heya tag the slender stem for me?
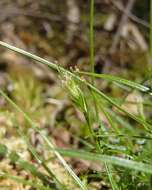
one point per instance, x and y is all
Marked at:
(92, 52)
(150, 37)
(92, 37)
(112, 182)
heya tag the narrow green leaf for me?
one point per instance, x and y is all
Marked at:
(119, 80)
(130, 164)
(112, 181)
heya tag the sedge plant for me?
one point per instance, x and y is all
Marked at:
(115, 156)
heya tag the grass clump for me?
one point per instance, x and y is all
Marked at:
(118, 152)
(116, 138)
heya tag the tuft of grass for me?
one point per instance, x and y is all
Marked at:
(101, 141)
(77, 78)
(73, 86)
(113, 147)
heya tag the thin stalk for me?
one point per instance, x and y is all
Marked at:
(150, 37)
(112, 181)
(92, 63)
(91, 35)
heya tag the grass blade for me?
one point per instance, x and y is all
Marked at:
(150, 32)
(119, 80)
(91, 36)
(112, 181)
(130, 164)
